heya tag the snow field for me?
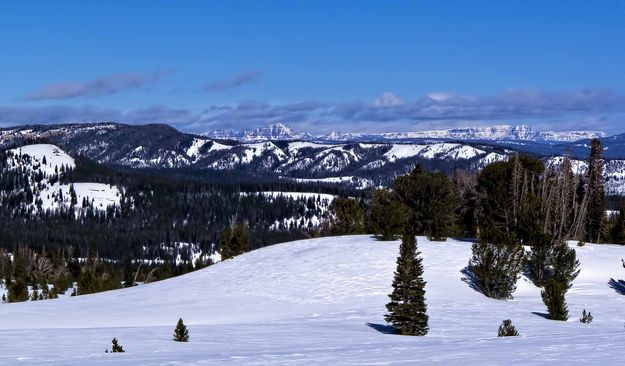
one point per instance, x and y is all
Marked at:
(101, 195)
(321, 301)
(55, 157)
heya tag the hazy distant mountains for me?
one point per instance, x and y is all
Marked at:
(275, 132)
(281, 132)
(278, 153)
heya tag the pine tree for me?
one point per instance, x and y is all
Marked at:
(407, 311)
(181, 334)
(497, 260)
(553, 297)
(388, 216)
(129, 275)
(618, 227)
(506, 329)
(18, 290)
(73, 197)
(565, 270)
(116, 347)
(596, 193)
(349, 217)
(235, 240)
(432, 200)
(468, 203)
(540, 260)
(565, 265)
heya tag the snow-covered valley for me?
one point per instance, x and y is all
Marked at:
(321, 301)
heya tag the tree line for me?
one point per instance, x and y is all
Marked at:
(506, 206)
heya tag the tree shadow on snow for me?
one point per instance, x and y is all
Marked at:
(617, 285)
(542, 315)
(470, 279)
(382, 328)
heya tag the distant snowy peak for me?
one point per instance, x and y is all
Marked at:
(274, 132)
(571, 136)
(490, 133)
(281, 132)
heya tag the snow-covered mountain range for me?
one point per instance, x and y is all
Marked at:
(280, 131)
(273, 132)
(360, 164)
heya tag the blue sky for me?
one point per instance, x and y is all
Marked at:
(317, 65)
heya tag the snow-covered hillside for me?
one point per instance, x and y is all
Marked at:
(45, 163)
(54, 157)
(321, 302)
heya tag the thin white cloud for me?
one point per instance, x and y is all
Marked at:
(388, 99)
(232, 82)
(101, 86)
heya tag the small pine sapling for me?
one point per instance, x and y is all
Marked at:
(116, 347)
(506, 329)
(586, 317)
(181, 333)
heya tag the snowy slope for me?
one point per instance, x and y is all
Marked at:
(319, 302)
(55, 195)
(54, 156)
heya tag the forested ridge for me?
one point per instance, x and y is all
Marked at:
(160, 222)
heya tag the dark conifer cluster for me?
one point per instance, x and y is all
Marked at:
(510, 204)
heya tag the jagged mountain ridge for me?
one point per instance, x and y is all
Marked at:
(280, 131)
(360, 164)
(271, 132)
(493, 133)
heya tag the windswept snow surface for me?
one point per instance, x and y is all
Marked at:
(320, 302)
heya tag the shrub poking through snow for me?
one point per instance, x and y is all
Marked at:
(181, 333)
(506, 329)
(586, 317)
(407, 311)
(116, 347)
